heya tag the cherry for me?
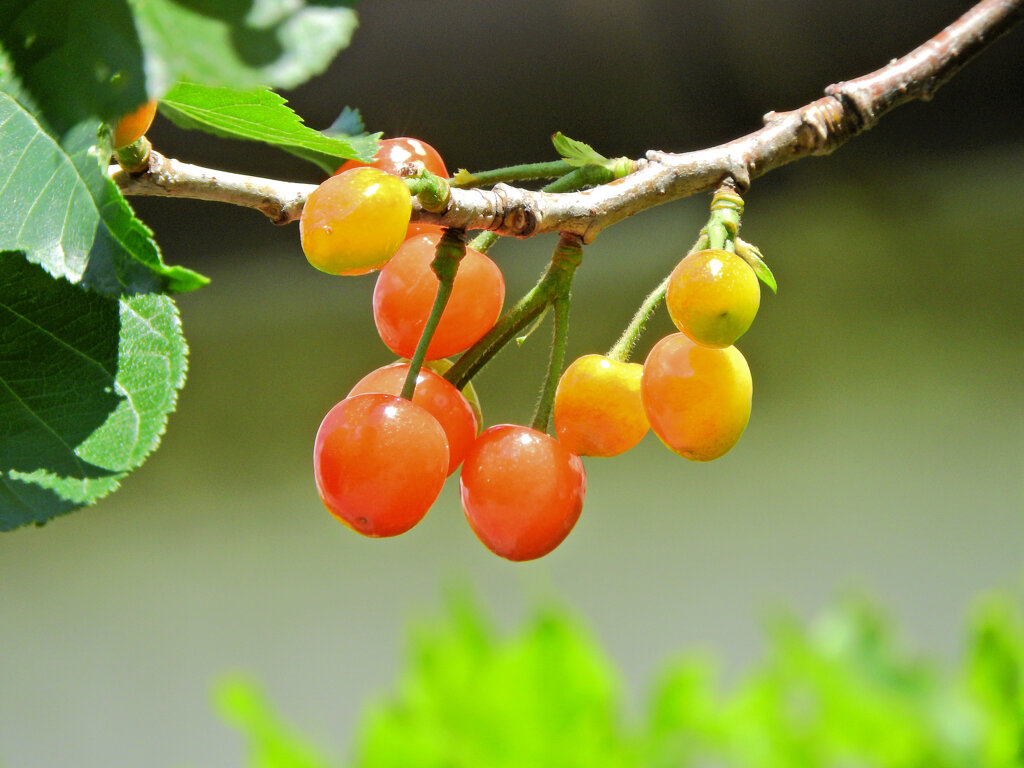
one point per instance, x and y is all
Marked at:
(134, 125)
(598, 410)
(697, 398)
(522, 491)
(354, 222)
(437, 397)
(712, 297)
(404, 295)
(395, 154)
(379, 462)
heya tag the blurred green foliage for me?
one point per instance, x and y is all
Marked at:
(837, 692)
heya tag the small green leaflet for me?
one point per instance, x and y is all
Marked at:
(348, 123)
(259, 114)
(86, 383)
(576, 152)
(752, 255)
(62, 210)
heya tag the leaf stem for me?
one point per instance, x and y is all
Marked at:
(450, 250)
(464, 179)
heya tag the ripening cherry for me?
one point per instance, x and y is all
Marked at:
(134, 125)
(404, 296)
(697, 398)
(522, 491)
(379, 462)
(354, 222)
(394, 154)
(712, 297)
(598, 410)
(437, 396)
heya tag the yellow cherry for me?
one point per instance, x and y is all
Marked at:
(598, 410)
(697, 398)
(354, 222)
(712, 297)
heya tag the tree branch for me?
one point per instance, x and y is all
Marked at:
(281, 201)
(818, 128)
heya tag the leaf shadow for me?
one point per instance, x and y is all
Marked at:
(58, 364)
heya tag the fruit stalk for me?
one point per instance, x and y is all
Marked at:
(556, 362)
(450, 250)
(553, 283)
(623, 348)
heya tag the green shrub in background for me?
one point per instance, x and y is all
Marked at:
(838, 692)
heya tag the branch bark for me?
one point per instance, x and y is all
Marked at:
(818, 128)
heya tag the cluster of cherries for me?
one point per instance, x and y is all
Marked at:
(380, 460)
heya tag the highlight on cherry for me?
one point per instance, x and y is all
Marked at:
(383, 452)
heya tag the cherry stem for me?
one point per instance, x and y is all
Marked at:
(556, 362)
(724, 222)
(450, 250)
(134, 158)
(552, 284)
(484, 241)
(623, 348)
(525, 172)
(433, 191)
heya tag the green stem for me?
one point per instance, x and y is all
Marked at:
(432, 191)
(556, 363)
(134, 158)
(450, 250)
(484, 241)
(512, 173)
(587, 176)
(623, 348)
(724, 222)
(627, 341)
(552, 284)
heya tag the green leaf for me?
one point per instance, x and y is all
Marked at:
(64, 213)
(102, 58)
(546, 697)
(79, 60)
(277, 43)
(752, 255)
(258, 114)
(86, 383)
(271, 743)
(348, 123)
(576, 152)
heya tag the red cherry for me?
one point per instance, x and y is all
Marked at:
(395, 154)
(522, 491)
(379, 462)
(437, 396)
(405, 292)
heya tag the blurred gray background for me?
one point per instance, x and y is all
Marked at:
(885, 453)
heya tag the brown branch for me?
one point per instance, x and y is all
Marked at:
(847, 109)
(281, 201)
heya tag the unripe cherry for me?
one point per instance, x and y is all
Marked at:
(354, 222)
(598, 410)
(697, 398)
(712, 297)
